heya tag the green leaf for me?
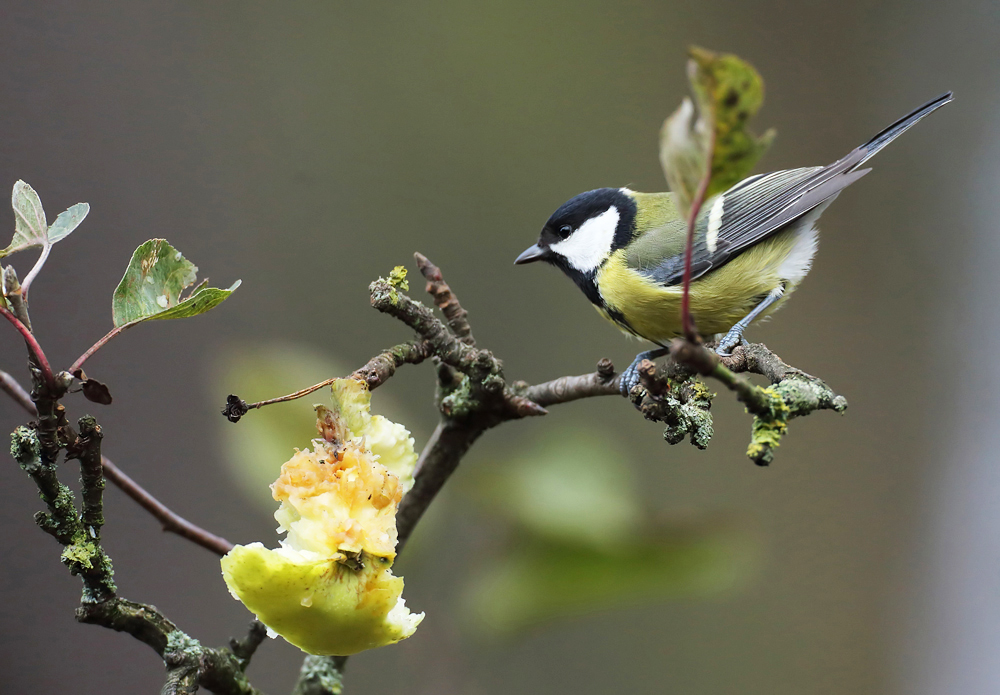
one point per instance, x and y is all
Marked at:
(728, 92)
(542, 579)
(30, 228)
(153, 284)
(67, 221)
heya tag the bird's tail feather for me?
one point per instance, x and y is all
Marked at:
(899, 127)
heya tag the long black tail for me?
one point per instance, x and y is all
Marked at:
(899, 127)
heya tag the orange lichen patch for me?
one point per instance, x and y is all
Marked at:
(338, 501)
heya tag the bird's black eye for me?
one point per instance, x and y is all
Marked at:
(565, 231)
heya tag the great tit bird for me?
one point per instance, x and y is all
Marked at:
(753, 245)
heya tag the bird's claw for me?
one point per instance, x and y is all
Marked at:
(728, 344)
(629, 378)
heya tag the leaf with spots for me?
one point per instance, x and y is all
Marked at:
(716, 144)
(30, 227)
(154, 283)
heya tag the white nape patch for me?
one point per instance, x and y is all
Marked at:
(799, 260)
(588, 246)
(714, 224)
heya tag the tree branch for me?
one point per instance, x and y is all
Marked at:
(445, 300)
(603, 382)
(170, 520)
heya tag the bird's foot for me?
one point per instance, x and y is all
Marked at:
(729, 342)
(630, 377)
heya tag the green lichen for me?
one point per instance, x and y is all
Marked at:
(25, 448)
(179, 642)
(397, 278)
(79, 556)
(460, 402)
(768, 428)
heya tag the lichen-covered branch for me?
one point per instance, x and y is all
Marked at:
(169, 520)
(321, 675)
(792, 393)
(189, 665)
(476, 364)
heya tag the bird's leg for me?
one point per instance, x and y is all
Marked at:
(630, 377)
(735, 334)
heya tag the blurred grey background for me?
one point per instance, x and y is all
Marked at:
(309, 147)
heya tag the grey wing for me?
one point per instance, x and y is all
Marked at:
(755, 209)
(762, 205)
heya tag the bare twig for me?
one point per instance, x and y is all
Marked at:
(374, 373)
(446, 301)
(13, 389)
(169, 520)
(603, 382)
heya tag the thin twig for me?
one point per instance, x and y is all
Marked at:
(33, 347)
(603, 382)
(13, 389)
(374, 373)
(169, 520)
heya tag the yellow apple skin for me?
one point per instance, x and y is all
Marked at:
(320, 605)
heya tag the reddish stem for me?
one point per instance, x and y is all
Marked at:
(33, 347)
(97, 346)
(687, 324)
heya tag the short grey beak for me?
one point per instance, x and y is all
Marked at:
(530, 255)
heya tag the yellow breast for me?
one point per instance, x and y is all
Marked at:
(719, 298)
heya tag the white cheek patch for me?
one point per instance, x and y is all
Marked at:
(589, 245)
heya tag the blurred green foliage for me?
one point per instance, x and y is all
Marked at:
(580, 540)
